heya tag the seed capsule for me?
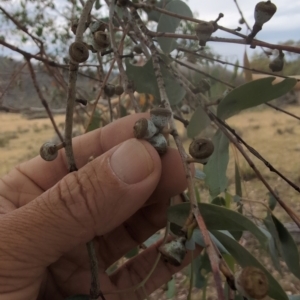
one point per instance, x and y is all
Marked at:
(144, 129)
(119, 90)
(109, 90)
(174, 251)
(138, 49)
(263, 12)
(277, 64)
(78, 52)
(201, 148)
(48, 151)
(203, 31)
(252, 282)
(100, 40)
(160, 143)
(97, 26)
(160, 116)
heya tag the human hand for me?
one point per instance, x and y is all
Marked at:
(119, 199)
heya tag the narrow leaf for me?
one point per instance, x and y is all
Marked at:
(169, 24)
(200, 175)
(238, 183)
(289, 248)
(252, 94)
(216, 218)
(199, 121)
(216, 167)
(95, 121)
(171, 289)
(132, 253)
(244, 258)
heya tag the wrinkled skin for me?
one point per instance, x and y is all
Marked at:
(119, 199)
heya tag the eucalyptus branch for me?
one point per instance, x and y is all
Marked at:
(214, 259)
(128, 87)
(230, 64)
(284, 111)
(43, 100)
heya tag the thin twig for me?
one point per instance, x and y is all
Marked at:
(282, 110)
(288, 210)
(128, 88)
(43, 100)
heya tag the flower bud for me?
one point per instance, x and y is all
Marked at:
(174, 251)
(48, 151)
(203, 31)
(160, 116)
(252, 282)
(119, 90)
(144, 129)
(109, 90)
(160, 143)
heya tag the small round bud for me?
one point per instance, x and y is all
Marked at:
(252, 282)
(48, 151)
(119, 90)
(100, 40)
(109, 90)
(201, 148)
(138, 49)
(160, 143)
(241, 21)
(264, 11)
(203, 31)
(78, 52)
(277, 64)
(174, 251)
(160, 116)
(144, 129)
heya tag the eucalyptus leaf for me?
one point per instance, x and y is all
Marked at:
(216, 218)
(132, 253)
(199, 121)
(171, 288)
(252, 94)
(238, 183)
(272, 201)
(294, 297)
(201, 265)
(289, 248)
(244, 258)
(145, 81)
(216, 167)
(169, 24)
(95, 121)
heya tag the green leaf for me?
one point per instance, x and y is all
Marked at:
(145, 81)
(216, 167)
(272, 201)
(171, 289)
(199, 121)
(294, 297)
(252, 94)
(39, 31)
(201, 265)
(95, 121)
(153, 239)
(216, 218)
(289, 248)
(97, 4)
(238, 183)
(169, 24)
(219, 201)
(78, 297)
(244, 258)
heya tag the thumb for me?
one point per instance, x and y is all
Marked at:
(92, 201)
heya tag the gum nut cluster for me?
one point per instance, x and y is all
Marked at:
(151, 130)
(264, 11)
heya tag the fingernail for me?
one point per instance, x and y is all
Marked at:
(132, 162)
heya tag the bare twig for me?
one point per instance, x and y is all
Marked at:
(43, 100)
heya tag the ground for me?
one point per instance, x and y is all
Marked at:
(274, 134)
